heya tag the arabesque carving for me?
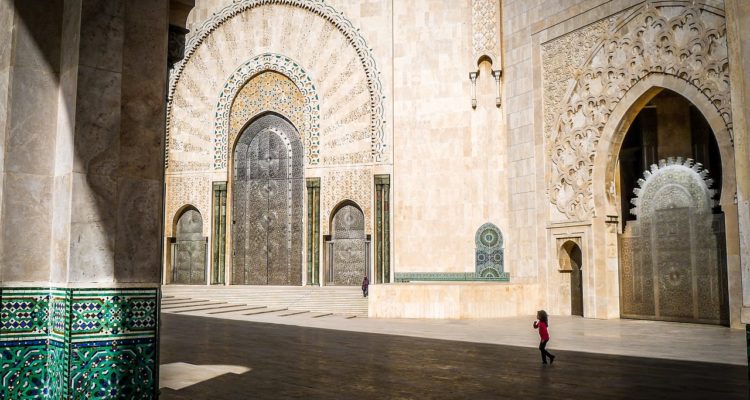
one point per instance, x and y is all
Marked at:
(231, 106)
(194, 190)
(681, 39)
(349, 184)
(484, 23)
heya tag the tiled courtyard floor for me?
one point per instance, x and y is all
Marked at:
(279, 361)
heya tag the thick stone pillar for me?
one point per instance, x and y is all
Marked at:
(83, 118)
(738, 27)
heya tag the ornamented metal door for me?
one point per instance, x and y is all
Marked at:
(267, 204)
(189, 250)
(672, 263)
(349, 258)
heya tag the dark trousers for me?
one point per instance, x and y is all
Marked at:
(545, 353)
(364, 291)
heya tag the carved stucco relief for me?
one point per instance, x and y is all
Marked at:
(270, 88)
(348, 184)
(194, 190)
(349, 92)
(687, 41)
(484, 21)
(561, 59)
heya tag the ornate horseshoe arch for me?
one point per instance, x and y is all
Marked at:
(243, 74)
(331, 15)
(679, 39)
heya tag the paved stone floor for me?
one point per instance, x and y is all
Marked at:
(279, 361)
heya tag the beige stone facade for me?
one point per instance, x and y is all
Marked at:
(506, 112)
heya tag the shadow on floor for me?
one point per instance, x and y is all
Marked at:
(289, 362)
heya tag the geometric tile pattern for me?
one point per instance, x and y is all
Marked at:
(449, 277)
(489, 260)
(78, 343)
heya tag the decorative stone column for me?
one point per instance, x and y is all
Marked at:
(83, 124)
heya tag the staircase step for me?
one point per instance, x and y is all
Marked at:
(326, 300)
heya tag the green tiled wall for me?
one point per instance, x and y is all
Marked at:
(78, 343)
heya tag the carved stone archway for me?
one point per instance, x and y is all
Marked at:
(679, 40)
(290, 69)
(205, 34)
(622, 116)
(605, 168)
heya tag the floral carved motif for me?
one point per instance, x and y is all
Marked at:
(484, 29)
(194, 190)
(686, 41)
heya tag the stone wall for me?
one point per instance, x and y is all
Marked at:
(319, 49)
(532, 159)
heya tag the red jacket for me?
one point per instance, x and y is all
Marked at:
(542, 330)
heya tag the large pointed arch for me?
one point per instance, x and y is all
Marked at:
(681, 41)
(371, 85)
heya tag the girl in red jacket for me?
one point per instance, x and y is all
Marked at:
(542, 323)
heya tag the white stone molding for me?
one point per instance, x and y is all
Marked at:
(473, 79)
(485, 39)
(679, 38)
(320, 8)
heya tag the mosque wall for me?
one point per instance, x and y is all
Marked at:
(479, 110)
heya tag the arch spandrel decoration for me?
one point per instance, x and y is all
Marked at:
(310, 113)
(680, 39)
(489, 257)
(320, 8)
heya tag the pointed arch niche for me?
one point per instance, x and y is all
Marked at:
(348, 246)
(188, 248)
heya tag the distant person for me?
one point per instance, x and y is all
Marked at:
(365, 284)
(541, 323)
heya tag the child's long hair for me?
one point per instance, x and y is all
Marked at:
(542, 316)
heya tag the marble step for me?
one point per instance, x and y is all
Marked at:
(338, 300)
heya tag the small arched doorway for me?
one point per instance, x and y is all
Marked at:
(267, 189)
(672, 240)
(189, 250)
(571, 260)
(348, 248)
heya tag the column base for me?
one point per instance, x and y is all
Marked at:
(69, 343)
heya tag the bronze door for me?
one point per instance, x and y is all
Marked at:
(189, 250)
(349, 259)
(267, 204)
